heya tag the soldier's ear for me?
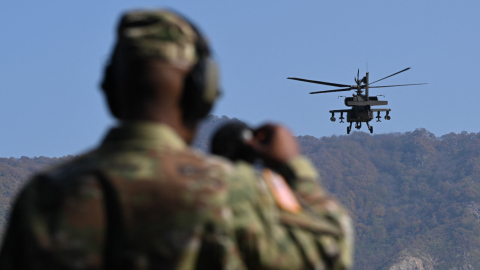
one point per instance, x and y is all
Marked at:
(108, 87)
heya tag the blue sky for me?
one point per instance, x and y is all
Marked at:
(52, 55)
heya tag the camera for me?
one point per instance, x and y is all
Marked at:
(230, 139)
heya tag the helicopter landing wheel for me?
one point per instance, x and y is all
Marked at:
(348, 130)
(371, 129)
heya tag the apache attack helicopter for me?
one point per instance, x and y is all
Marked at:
(361, 110)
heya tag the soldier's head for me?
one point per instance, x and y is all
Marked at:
(160, 69)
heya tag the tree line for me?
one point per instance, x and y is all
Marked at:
(410, 191)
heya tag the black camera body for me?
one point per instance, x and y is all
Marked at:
(229, 141)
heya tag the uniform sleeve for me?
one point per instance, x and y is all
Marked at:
(270, 238)
(339, 246)
(49, 229)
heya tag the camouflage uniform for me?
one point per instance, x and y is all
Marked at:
(145, 200)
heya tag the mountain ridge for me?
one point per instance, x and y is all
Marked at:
(414, 197)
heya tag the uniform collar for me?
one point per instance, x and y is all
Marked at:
(146, 132)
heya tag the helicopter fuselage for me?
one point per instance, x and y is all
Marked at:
(359, 114)
(361, 110)
(361, 107)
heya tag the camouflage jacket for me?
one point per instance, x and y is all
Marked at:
(145, 200)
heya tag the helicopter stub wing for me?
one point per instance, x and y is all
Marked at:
(380, 110)
(341, 111)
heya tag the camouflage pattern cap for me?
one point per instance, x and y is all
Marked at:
(159, 34)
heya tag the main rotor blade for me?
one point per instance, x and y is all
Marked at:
(389, 76)
(337, 90)
(396, 85)
(319, 82)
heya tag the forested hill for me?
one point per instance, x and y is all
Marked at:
(14, 172)
(414, 197)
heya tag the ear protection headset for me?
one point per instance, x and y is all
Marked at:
(200, 89)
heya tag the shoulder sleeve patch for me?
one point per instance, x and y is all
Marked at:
(282, 193)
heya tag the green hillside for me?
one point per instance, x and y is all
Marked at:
(409, 192)
(414, 197)
(14, 172)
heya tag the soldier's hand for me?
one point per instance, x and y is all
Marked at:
(275, 144)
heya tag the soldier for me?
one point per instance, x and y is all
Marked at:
(145, 200)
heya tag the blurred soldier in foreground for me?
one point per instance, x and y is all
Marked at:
(145, 200)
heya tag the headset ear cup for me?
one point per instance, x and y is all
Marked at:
(200, 91)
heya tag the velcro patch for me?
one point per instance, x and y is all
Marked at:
(282, 193)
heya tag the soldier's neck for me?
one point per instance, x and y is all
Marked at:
(171, 118)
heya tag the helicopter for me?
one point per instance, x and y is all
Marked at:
(361, 104)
